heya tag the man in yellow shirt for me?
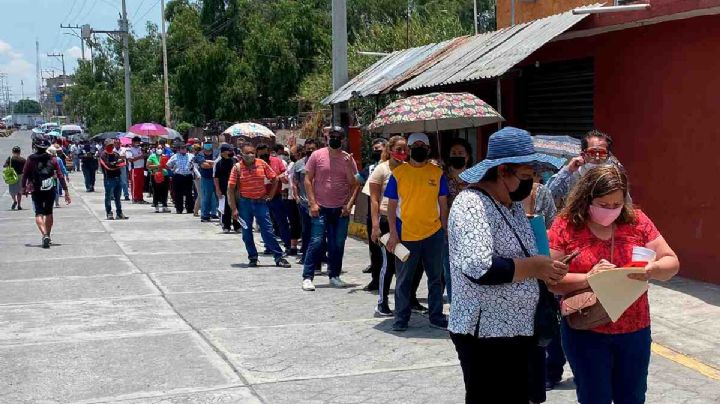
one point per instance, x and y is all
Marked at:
(417, 215)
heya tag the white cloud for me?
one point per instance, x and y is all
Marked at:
(76, 53)
(18, 70)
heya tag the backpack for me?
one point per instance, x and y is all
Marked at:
(45, 171)
(10, 176)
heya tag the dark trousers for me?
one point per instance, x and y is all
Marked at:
(426, 251)
(554, 360)
(227, 218)
(494, 367)
(376, 255)
(608, 367)
(183, 193)
(113, 190)
(89, 170)
(387, 270)
(291, 207)
(280, 217)
(160, 192)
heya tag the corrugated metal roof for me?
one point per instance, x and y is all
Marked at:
(383, 73)
(457, 60)
(492, 54)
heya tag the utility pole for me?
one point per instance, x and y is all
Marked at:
(125, 28)
(165, 64)
(62, 59)
(339, 58)
(475, 16)
(38, 78)
(82, 43)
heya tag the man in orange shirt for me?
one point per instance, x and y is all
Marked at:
(248, 198)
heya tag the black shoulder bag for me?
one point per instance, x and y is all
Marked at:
(547, 313)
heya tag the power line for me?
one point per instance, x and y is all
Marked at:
(138, 7)
(148, 11)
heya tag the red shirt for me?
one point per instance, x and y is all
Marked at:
(250, 181)
(277, 165)
(565, 237)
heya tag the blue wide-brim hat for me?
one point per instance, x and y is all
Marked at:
(510, 146)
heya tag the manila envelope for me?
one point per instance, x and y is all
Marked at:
(616, 291)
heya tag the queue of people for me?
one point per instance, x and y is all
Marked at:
(464, 225)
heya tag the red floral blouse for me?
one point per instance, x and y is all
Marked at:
(566, 238)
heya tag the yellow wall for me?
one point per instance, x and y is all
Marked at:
(528, 10)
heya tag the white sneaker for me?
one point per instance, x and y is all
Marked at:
(157, 209)
(337, 282)
(308, 285)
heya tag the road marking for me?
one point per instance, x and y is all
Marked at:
(687, 361)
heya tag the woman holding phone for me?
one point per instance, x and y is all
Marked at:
(610, 362)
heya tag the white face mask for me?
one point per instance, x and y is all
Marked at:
(158, 152)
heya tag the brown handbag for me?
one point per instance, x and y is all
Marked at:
(581, 308)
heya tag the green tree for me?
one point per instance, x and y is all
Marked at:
(27, 107)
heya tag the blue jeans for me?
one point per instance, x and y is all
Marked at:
(76, 163)
(329, 222)
(112, 192)
(250, 209)
(124, 182)
(425, 251)
(208, 201)
(280, 216)
(608, 367)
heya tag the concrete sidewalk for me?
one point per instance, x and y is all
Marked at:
(162, 309)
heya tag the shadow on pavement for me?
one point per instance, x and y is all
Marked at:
(706, 292)
(418, 327)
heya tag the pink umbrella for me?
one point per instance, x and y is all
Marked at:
(148, 129)
(125, 141)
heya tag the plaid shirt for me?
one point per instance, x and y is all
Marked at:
(181, 164)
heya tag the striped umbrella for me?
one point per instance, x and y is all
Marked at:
(249, 130)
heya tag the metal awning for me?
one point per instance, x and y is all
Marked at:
(458, 60)
(385, 72)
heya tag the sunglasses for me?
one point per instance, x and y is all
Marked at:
(597, 154)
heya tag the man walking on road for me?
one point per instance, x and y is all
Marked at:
(39, 179)
(124, 182)
(417, 216)
(88, 158)
(112, 164)
(276, 204)
(16, 163)
(205, 161)
(331, 189)
(181, 166)
(248, 199)
(223, 166)
(137, 160)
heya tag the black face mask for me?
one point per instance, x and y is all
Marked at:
(265, 157)
(457, 162)
(419, 154)
(335, 142)
(375, 156)
(522, 191)
(308, 153)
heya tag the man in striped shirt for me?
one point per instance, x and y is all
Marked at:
(248, 198)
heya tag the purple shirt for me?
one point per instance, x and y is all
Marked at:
(333, 177)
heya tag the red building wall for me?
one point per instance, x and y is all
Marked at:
(657, 92)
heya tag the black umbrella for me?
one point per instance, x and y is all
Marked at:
(106, 135)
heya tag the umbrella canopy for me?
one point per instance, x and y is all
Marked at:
(148, 129)
(560, 146)
(250, 130)
(130, 135)
(173, 134)
(434, 112)
(125, 141)
(106, 135)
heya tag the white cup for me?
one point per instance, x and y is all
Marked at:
(642, 254)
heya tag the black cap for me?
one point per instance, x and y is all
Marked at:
(16, 149)
(136, 139)
(225, 147)
(42, 143)
(337, 129)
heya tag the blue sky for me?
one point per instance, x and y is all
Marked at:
(23, 21)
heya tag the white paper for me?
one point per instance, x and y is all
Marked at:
(221, 204)
(616, 291)
(400, 250)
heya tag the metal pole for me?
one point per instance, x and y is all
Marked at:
(165, 64)
(38, 76)
(339, 54)
(475, 16)
(407, 26)
(124, 27)
(512, 13)
(499, 100)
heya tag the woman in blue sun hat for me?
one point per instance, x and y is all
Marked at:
(496, 272)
